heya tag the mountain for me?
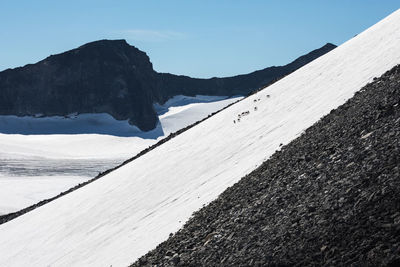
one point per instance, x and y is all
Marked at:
(100, 77)
(121, 216)
(110, 76)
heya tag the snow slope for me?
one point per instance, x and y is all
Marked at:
(121, 216)
(21, 192)
(35, 167)
(99, 135)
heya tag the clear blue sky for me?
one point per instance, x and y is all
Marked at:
(201, 38)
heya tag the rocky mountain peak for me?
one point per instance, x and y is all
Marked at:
(103, 52)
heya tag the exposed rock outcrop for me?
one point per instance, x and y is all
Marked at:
(103, 76)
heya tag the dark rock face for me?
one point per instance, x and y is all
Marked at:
(103, 76)
(329, 198)
(116, 78)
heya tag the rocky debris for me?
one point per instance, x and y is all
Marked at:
(329, 198)
(110, 76)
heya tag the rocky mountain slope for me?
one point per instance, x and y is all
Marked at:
(329, 198)
(110, 76)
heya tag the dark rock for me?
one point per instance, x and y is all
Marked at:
(102, 76)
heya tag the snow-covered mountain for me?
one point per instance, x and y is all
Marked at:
(48, 159)
(121, 216)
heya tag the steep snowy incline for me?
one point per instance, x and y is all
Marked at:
(99, 136)
(38, 167)
(128, 212)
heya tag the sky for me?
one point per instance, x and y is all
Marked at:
(204, 38)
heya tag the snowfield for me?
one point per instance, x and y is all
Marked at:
(99, 136)
(20, 192)
(37, 166)
(121, 216)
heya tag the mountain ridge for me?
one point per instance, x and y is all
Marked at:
(111, 76)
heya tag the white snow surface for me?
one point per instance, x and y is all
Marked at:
(99, 135)
(21, 192)
(121, 216)
(35, 167)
